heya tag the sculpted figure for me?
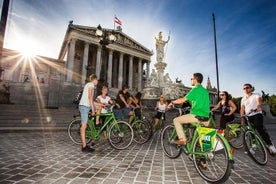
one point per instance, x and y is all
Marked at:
(160, 44)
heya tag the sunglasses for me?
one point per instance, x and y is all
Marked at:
(246, 88)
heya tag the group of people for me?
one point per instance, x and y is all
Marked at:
(198, 97)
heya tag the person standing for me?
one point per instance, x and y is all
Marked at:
(86, 104)
(251, 106)
(200, 102)
(228, 109)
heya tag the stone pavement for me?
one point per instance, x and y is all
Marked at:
(50, 157)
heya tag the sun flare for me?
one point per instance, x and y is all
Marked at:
(27, 48)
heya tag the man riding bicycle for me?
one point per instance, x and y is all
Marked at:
(200, 101)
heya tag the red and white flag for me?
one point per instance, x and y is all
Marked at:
(117, 21)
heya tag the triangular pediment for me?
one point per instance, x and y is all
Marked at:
(122, 39)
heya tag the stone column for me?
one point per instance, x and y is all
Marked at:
(130, 74)
(98, 62)
(110, 65)
(70, 60)
(120, 77)
(148, 70)
(84, 63)
(140, 74)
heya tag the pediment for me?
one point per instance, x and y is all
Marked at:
(122, 39)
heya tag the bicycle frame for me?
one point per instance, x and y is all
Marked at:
(250, 127)
(190, 144)
(94, 133)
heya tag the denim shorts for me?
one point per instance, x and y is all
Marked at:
(84, 111)
(119, 113)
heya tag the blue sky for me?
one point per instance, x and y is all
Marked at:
(246, 34)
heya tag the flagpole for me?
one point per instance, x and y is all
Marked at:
(114, 21)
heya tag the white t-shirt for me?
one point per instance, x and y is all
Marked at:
(161, 107)
(250, 104)
(84, 98)
(104, 101)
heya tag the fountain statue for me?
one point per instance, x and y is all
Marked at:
(158, 83)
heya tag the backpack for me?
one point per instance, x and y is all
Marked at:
(78, 97)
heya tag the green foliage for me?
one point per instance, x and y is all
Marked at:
(272, 104)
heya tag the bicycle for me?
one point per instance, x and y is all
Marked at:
(210, 152)
(141, 127)
(120, 133)
(233, 133)
(255, 146)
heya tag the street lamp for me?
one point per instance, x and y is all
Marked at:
(105, 38)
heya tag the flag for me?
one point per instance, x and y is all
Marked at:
(117, 21)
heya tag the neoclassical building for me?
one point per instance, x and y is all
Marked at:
(121, 62)
(52, 82)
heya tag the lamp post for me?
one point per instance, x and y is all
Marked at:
(216, 55)
(105, 38)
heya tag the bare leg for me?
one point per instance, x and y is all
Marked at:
(82, 134)
(155, 123)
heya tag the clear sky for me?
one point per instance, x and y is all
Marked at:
(246, 34)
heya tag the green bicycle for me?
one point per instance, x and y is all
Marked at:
(210, 152)
(141, 127)
(255, 146)
(120, 133)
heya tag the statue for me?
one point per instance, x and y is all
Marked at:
(167, 79)
(265, 97)
(160, 44)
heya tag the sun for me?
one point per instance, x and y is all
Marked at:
(28, 48)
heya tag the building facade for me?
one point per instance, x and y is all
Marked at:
(122, 62)
(53, 83)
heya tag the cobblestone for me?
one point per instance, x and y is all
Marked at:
(50, 157)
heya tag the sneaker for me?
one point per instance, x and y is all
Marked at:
(87, 149)
(272, 149)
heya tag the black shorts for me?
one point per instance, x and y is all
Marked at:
(159, 115)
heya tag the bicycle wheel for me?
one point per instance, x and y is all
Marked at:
(255, 147)
(141, 131)
(168, 135)
(236, 141)
(214, 165)
(120, 135)
(73, 131)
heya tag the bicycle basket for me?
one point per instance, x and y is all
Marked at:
(206, 138)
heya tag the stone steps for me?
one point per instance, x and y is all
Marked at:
(26, 117)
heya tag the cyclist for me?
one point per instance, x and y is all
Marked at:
(200, 102)
(228, 108)
(136, 103)
(123, 103)
(86, 104)
(161, 107)
(251, 106)
(103, 100)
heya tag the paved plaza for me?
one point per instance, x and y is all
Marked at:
(50, 157)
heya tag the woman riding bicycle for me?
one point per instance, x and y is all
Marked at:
(161, 107)
(251, 106)
(228, 108)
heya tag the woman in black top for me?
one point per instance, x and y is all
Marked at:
(227, 107)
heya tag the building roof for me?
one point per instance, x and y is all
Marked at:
(122, 40)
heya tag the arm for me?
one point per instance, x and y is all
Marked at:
(123, 100)
(178, 101)
(233, 108)
(242, 112)
(91, 101)
(216, 107)
(259, 103)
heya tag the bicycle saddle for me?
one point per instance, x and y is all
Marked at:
(202, 118)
